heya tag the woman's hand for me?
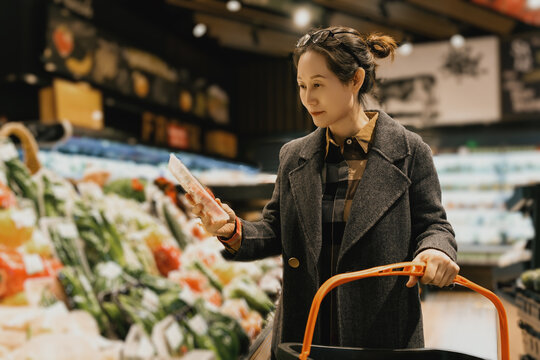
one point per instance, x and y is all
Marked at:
(440, 269)
(217, 228)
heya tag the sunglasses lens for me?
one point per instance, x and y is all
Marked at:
(303, 40)
(321, 36)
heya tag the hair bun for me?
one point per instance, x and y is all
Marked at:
(381, 45)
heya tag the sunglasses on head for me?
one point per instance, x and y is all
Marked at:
(320, 36)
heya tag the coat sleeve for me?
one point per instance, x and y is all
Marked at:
(262, 238)
(430, 228)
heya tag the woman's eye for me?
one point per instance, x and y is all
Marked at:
(301, 86)
(316, 85)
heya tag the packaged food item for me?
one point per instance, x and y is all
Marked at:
(196, 190)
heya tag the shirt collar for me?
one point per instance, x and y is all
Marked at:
(364, 136)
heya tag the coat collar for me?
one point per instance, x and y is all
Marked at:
(388, 139)
(381, 185)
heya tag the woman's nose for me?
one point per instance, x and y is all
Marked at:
(310, 99)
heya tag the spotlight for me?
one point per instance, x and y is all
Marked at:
(302, 17)
(234, 5)
(405, 49)
(457, 41)
(199, 30)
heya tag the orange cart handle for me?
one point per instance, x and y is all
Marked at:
(405, 269)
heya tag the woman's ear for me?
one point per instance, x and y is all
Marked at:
(358, 79)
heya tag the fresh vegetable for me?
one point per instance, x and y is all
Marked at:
(20, 181)
(531, 279)
(212, 278)
(127, 188)
(65, 239)
(7, 198)
(256, 298)
(173, 225)
(15, 268)
(16, 226)
(102, 241)
(167, 258)
(54, 197)
(81, 295)
(142, 307)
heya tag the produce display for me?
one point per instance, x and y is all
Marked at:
(119, 270)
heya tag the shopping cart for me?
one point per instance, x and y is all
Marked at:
(292, 351)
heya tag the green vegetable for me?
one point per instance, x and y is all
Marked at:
(81, 296)
(158, 284)
(212, 278)
(102, 241)
(126, 189)
(21, 182)
(256, 298)
(174, 226)
(171, 303)
(110, 277)
(528, 278)
(53, 206)
(65, 241)
(117, 318)
(139, 305)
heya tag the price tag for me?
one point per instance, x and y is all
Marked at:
(67, 230)
(198, 325)
(187, 296)
(24, 218)
(39, 239)
(33, 264)
(174, 336)
(146, 350)
(60, 192)
(8, 151)
(110, 270)
(150, 300)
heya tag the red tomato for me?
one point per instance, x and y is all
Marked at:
(167, 258)
(13, 272)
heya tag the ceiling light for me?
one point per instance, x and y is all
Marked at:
(533, 4)
(199, 30)
(302, 17)
(457, 41)
(405, 49)
(234, 5)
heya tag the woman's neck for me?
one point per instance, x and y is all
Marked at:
(349, 126)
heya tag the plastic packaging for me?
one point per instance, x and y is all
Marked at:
(196, 190)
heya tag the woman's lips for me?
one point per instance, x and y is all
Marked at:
(316, 113)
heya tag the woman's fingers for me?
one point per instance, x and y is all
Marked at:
(190, 199)
(440, 269)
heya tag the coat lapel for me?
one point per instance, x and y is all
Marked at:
(306, 188)
(382, 182)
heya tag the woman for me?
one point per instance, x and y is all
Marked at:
(360, 191)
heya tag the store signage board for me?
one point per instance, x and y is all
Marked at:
(521, 76)
(440, 85)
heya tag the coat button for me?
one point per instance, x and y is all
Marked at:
(293, 262)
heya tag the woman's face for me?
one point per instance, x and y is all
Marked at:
(327, 99)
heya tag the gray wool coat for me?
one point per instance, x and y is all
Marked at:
(396, 214)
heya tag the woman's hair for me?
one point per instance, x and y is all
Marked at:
(340, 59)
